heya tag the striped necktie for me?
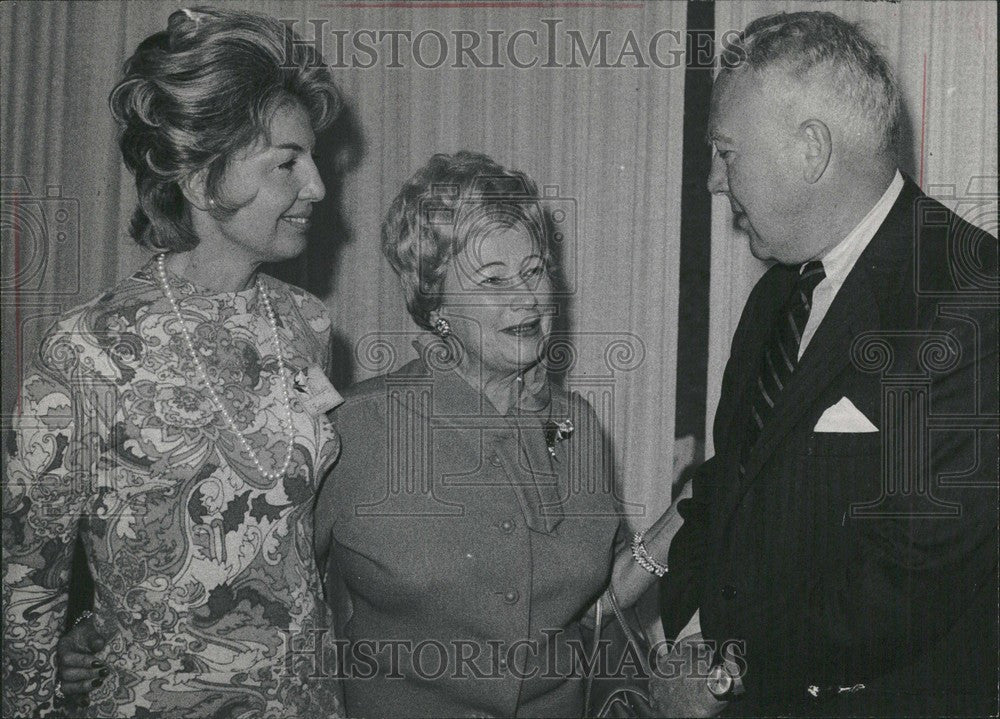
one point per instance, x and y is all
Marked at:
(781, 353)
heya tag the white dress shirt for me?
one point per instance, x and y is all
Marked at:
(838, 262)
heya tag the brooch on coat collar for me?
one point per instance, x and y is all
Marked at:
(556, 432)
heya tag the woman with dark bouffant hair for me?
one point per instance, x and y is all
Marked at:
(176, 423)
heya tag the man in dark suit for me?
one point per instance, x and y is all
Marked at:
(842, 542)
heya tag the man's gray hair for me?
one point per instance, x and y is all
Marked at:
(855, 72)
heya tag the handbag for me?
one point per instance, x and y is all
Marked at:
(617, 697)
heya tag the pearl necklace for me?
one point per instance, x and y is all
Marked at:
(282, 372)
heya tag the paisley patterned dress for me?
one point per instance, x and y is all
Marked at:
(204, 569)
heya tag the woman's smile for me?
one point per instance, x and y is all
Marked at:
(300, 222)
(528, 328)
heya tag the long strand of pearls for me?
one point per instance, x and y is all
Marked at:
(282, 373)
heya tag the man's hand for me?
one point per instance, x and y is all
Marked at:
(80, 671)
(687, 694)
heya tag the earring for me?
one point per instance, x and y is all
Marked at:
(211, 203)
(441, 327)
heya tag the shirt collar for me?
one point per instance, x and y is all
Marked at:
(838, 262)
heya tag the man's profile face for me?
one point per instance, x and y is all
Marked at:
(754, 165)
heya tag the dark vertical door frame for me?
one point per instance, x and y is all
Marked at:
(696, 223)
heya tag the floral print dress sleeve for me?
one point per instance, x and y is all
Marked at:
(45, 483)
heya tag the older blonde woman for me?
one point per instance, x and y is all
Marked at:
(172, 422)
(468, 525)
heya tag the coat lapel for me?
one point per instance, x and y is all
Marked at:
(751, 349)
(534, 476)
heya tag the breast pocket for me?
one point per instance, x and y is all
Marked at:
(844, 444)
(846, 469)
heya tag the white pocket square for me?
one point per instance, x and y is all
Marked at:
(844, 417)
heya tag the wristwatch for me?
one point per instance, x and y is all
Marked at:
(723, 684)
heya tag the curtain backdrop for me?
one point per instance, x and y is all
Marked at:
(945, 58)
(607, 141)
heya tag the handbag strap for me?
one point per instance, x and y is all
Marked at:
(589, 686)
(637, 646)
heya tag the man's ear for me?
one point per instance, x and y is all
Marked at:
(817, 148)
(195, 189)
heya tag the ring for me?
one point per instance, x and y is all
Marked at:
(59, 692)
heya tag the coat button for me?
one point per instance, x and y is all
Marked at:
(495, 460)
(729, 592)
(512, 596)
(507, 526)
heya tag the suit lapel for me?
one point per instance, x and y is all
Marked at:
(870, 287)
(747, 351)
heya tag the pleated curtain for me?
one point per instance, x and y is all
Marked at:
(605, 142)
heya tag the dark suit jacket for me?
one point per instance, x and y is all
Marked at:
(869, 558)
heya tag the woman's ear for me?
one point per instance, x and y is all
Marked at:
(195, 190)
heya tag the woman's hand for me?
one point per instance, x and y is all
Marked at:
(80, 671)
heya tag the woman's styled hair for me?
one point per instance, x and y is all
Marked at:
(194, 94)
(449, 202)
